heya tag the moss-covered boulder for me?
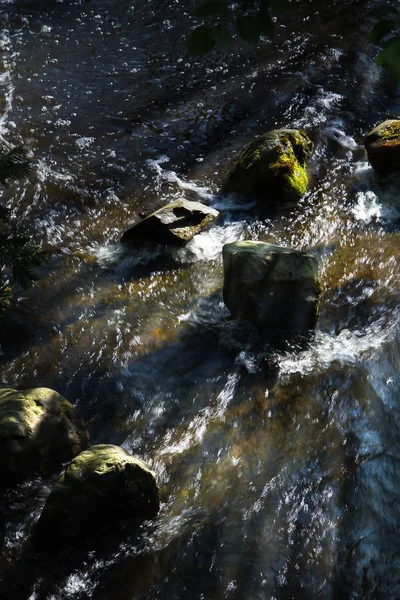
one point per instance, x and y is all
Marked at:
(383, 147)
(176, 223)
(100, 487)
(39, 430)
(273, 287)
(272, 167)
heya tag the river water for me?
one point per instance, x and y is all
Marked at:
(276, 483)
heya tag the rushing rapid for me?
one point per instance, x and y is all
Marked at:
(280, 474)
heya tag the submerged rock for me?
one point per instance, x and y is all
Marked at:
(176, 223)
(272, 167)
(273, 287)
(383, 147)
(100, 487)
(39, 430)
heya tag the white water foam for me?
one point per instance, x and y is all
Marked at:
(163, 175)
(346, 348)
(368, 208)
(115, 256)
(207, 245)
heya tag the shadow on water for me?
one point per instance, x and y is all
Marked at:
(230, 550)
(29, 322)
(49, 569)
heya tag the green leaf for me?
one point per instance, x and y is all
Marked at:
(390, 54)
(381, 12)
(381, 29)
(279, 6)
(267, 26)
(389, 58)
(246, 5)
(212, 7)
(222, 37)
(200, 41)
(248, 27)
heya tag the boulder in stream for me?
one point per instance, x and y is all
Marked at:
(39, 430)
(383, 147)
(272, 167)
(273, 287)
(176, 223)
(100, 487)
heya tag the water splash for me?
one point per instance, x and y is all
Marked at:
(347, 347)
(164, 175)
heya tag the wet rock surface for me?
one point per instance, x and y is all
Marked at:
(273, 287)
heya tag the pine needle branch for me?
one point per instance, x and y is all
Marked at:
(13, 164)
(5, 296)
(22, 257)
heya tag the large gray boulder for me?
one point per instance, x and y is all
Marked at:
(39, 430)
(272, 167)
(383, 147)
(273, 287)
(176, 223)
(100, 487)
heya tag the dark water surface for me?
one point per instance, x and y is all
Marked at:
(274, 485)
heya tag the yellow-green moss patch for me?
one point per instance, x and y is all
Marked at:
(272, 167)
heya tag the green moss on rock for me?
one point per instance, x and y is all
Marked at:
(273, 166)
(391, 131)
(383, 147)
(39, 430)
(100, 487)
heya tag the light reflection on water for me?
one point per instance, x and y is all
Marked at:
(276, 482)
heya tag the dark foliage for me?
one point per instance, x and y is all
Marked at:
(18, 258)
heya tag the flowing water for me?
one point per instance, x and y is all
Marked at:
(278, 482)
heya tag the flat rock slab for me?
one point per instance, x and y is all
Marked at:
(383, 147)
(176, 223)
(273, 287)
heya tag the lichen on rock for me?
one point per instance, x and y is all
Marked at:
(272, 167)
